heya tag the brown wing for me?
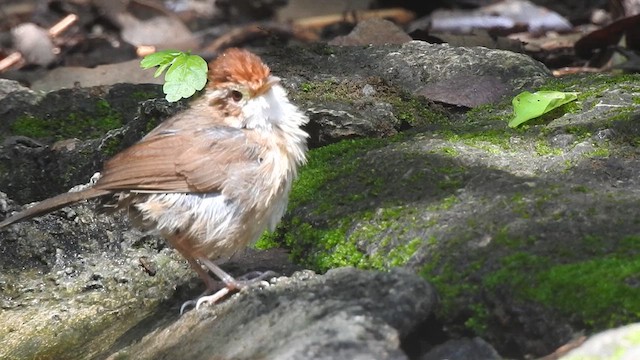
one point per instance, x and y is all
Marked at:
(180, 161)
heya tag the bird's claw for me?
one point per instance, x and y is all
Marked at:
(241, 283)
(213, 298)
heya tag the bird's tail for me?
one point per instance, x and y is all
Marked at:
(52, 204)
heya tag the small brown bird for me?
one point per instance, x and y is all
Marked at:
(212, 178)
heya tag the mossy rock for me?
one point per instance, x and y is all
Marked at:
(501, 220)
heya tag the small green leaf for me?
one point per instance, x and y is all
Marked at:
(161, 69)
(527, 106)
(176, 90)
(159, 58)
(190, 69)
(185, 74)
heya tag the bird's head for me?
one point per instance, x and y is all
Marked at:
(243, 87)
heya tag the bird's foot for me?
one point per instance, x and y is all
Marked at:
(254, 277)
(231, 284)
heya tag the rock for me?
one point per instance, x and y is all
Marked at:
(329, 125)
(515, 228)
(373, 32)
(69, 77)
(94, 284)
(13, 87)
(619, 343)
(339, 107)
(103, 118)
(510, 225)
(344, 314)
(463, 349)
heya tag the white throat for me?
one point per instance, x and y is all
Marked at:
(272, 111)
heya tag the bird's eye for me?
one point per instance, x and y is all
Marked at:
(236, 95)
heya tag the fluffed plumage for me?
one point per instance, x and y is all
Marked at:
(212, 178)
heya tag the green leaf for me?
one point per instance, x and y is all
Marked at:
(159, 58)
(161, 69)
(527, 106)
(176, 90)
(185, 74)
(190, 69)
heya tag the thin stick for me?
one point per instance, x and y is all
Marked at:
(399, 15)
(62, 25)
(10, 60)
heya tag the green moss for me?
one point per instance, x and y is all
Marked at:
(446, 204)
(73, 126)
(606, 282)
(580, 132)
(599, 292)
(478, 321)
(111, 146)
(306, 87)
(268, 240)
(544, 149)
(588, 86)
(499, 113)
(628, 246)
(449, 151)
(334, 247)
(487, 139)
(30, 126)
(145, 95)
(406, 107)
(331, 246)
(505, 238)
(452, 285)
(401, 254)
(622, 114)
(326, 244)
(320, 170)
(599, 152)
(580, 189)
(516, 270)
(415, 111)
(331, 90)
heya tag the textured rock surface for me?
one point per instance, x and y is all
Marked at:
(463, 349)
(529, 235)
(622, 343)
(344, 314)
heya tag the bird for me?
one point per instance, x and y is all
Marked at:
(212, 178)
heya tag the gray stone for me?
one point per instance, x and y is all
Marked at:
(344, 314)
(619, 343)
(490, 214)
(462, 349)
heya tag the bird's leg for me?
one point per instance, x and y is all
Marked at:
(210, 283)
(230, 282)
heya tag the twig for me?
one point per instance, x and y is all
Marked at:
(10, 60)
(258, 30)
(304, 30)
(398, 15)
(62, 25)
